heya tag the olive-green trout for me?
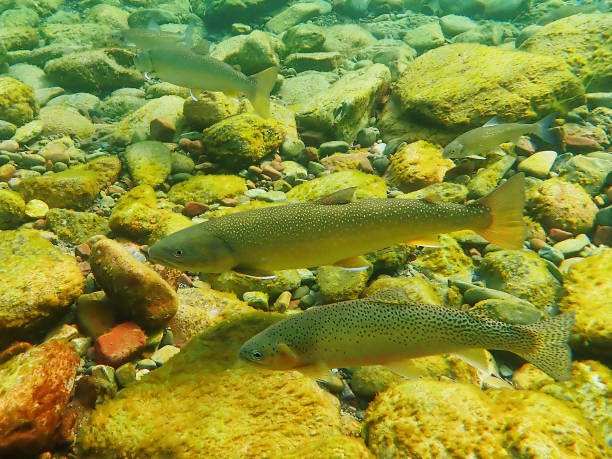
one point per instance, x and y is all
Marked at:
(485, 138)
(181, 66)
(334, 230)
(387, 328)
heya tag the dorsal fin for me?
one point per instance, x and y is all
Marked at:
(392, 295)
(343, 196)
(492, 122)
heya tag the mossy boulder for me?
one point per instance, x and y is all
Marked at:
(417, 288)
(488, 177)
(340, 111)
(19, 37)
(75, 227)
(17, 102)
(339, 284)
(207, 188)
(220, 12)
(238, 283)
(168, 222)
(445, 262)
(149, 162)
(368, 186)
(168, 107)
(417, 165)
(141, 294)
(210, 108)
(242, 140)
(37, 284)
(463, 85)
(587, 290)
(581, 40)
(522, 274)
(405, 421)
(304, 38)
(556, 203)
(12, 208)
(75, 188)
(64, 120)
(75, 35)
(135, 215)
(234, 409)
(95, 70)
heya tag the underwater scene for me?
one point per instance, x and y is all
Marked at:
(305, 229)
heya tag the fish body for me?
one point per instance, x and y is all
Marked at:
(145, 38)
(324, 232)
(485, 138)
(181, 66)
(388, 327)
(570, 10)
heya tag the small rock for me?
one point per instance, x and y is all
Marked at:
(339, 284)
(571, 247)
(367, 137)
(9, 145)
(283, 301)
(120, 344)
(94, 314)
(165, 353)
(125, 374)
(257, 300)
(559, 234)
(604, 217)
(539, 164)
(162, 129)
(603, 235)
(551, 254)
(104, 372)
(149, 162)
(193, 208)
(146, 364)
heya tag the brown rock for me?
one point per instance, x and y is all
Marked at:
(82, 250)
(120, 344)
(582, 143)
(229, 202)
(603, 235)
(537, 244)
(559, 234)
(35, 388)
(193, 208)
(272, 172)
(162, 129)
(194, 147)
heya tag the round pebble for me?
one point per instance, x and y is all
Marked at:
(36, 209)
(9, 145)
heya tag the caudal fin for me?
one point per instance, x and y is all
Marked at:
(543, 129)
(264, 82)
(505, 204)
(550, 351)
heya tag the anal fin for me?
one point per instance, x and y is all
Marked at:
(353, 264)
(479, 358)
(318, 370)
(257, 273)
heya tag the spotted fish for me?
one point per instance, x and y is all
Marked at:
(334, 230)
(388, 328)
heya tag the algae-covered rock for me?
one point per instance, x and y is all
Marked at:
(347, 39)
(149, 162)
(135, 214)
(339, 284)
(556, 203)
(94, 70)
(210, 108)
(319, 62)
(12, 208)
(75, 188)
(201, 308)
(37, 283)
(141, 293)
(587, 290)
(464, 85)
(443, 191)
(588, 171)
(225, 12)
(253, 53)
(445, 262)
(17, 102)
(242, 140)
(368, 186)
(300, 12)
(521, 273)
(390, 259)
(417, 288)
(345, 107)
(168, 222)
(168, 107)
(19, 37)
(75, 227)
(425, 37)
(60, 119)
(238, 283)
(395, 54)
(417, 165)
(405, 421)
(235, 410)
(207, 188)
(512, 312)
(487, 178)
(581, 40)
(304, 38)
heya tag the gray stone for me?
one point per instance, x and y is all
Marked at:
(604, 217)
(304, 38)
(573, 246)
(295, 14)
(539, 164)
(425, 37)
(333, 146)
(453, 24)
(321, 62)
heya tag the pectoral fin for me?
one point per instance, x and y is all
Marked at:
(343, 196)
(317, 370)
(492, 122)
(287, 358)
(353, 264)
(406, 368)
(425, 241)
(479, 358)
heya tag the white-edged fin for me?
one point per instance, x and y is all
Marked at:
(264, 82)
(476, 157)
(318, 371)
(146, 75)
(343, 196)
(406, 368)
(258, 274)
(392, 295)
(353, 264)
(426, 241)
(193, 97)
(494, 382)
(492, 122)
(478, 358)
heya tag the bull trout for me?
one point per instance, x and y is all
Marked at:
(334, 230)
(387, 328)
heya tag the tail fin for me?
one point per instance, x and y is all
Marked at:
(543, 128)
(505, 204)
(264, 82)
(550, 351)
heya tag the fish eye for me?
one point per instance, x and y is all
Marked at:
(178, 253)
(256, 355)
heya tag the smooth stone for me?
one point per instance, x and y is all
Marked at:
(551, 254)
(538, 164)
(604, 217)
(272, 196)
(257, 300)
(165, 353)
(36, 209)
(334, 146)
(571, 247)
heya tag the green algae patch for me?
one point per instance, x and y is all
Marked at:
(424, 418)
(149, 162)
(75, 188)
(445, 262)
(207, 189)
(368, 186)
(238, 283)
(37, 283)
(135, 215)
(17, 102)
(75, 227)
(168, 222)
(242, 140)
(213, 405)
(418, 289)
(169, 107)
(339, 284)
(463, 85)
(12, 208)
(588, 291)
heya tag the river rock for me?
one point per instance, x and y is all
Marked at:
(149, 162)
(17, 102)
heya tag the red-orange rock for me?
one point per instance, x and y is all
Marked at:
(35, 388)
(120, 344)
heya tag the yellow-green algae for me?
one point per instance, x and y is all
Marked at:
(65, 120)
(417, 165)
(368, 186)
(241, 208)
(588, 291)
(418, 289)
(238, 283)
(17, 102)
(339, 284)
(446, 261)
(149, 162)
(12, 208)
(168, 222)
(75, 188)
(75, 227)
(425, 418)
(37, 281)
(444, 192)
(169, 107)
(212, 405)
(465, 84)
(207, 188)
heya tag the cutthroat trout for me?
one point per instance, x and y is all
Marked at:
(387, 328)
(334, 230)
(485, 138)
(181, 66)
